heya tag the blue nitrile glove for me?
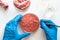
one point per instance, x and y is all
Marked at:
(11, 32)
(50, 31)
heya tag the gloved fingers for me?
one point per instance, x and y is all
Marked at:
(24, 35)
(44, 26)
(9, 23)
(17, 18)
(46, 21)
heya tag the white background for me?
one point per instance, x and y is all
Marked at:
(37, 7)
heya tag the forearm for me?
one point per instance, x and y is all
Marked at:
(51, 38)
(48, 37)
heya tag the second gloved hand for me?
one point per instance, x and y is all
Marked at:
(50, 31)
(11, 32)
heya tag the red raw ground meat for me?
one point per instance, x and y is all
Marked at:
(3, 4)
(22, 4)
(29, 22)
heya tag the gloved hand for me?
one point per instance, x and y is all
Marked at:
(11, 32)
(50, 31)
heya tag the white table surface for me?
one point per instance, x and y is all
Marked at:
(37, 7)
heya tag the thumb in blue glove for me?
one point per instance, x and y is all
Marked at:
(11, 32)
(50, 31)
